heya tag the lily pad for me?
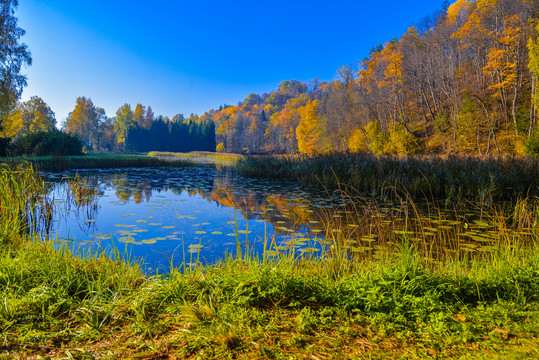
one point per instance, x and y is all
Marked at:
(148, 241)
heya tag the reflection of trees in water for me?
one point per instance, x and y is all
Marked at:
(252, 199)
(77, 196)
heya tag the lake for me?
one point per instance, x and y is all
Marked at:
(197, 215)
(168, 216)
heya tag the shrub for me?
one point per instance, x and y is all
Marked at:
(532, 144)
(377, 138)
(358, 141)
(4, 145)
(401, 141)
(53, 142)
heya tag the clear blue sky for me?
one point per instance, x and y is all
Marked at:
(189, 56)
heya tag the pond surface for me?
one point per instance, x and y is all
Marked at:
(171, 216)
(197, 215)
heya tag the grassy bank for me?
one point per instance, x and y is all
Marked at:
(94, 161)
(399, 301)
(200, 156)
(456, 178)
(58, 305)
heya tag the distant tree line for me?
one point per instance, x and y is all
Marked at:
(172, 136)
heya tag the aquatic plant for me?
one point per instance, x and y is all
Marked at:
(457, 179)
(23, 204)
(96, 161)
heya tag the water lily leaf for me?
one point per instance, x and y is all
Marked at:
(295, 243)
(169, 227)
(126, 233)
(216, 233)
(148, 241)
(309, 250)
(200, 232)
(99, 234)
(127, 215)
(155, 224)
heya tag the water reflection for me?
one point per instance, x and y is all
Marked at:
(190, 215)
(175, 211)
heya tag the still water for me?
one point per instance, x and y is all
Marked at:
(171, 216)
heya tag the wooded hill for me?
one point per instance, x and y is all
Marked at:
(461, 81)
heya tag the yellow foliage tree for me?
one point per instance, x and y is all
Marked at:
(28, 117)
(400, 141)
(358, 142)
(375, 137)
(309, 129)
(455, 10)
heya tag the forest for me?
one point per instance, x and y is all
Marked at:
(462, 81)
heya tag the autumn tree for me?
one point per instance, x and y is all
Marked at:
(533, 65)
(148, 118)
(29, 117)
(138, 115)
(310, 129)
(124, 122)
(13, 55)
(84, 121)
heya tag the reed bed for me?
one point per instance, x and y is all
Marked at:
(98, 161)
(453, 178)
(23, 204)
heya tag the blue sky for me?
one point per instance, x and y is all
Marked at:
(192, 56)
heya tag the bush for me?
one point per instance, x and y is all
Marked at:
(4, 145)
(41, 143)
(532, 144)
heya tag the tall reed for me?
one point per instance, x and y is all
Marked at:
(453, 178)
(23, 204)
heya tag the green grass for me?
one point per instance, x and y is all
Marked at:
(201, 156)
(56, 302)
